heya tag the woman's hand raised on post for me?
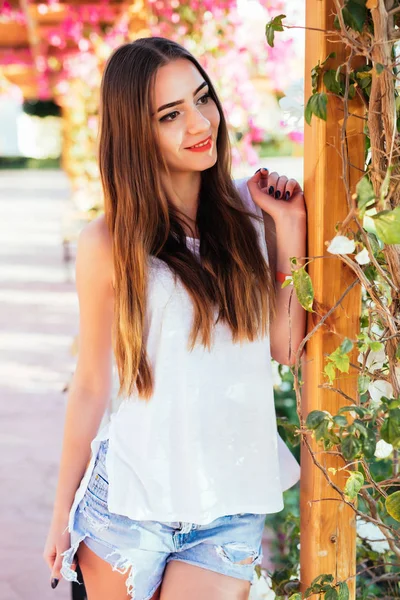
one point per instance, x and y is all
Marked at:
(275, 194)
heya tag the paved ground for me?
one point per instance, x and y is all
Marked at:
(38, 319)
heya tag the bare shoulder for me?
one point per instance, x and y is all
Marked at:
(94, 252)
(96, 233)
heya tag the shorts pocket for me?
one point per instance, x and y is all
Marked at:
(98, 488)
(95, 512)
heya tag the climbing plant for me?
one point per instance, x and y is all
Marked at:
(366, 430)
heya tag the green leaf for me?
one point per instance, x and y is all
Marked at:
(330, 439)
(363, 382)
(364, 79)
(387, 225)
(304, 288)
(352, 91)
(369, 444)
(390, 430)
(393, 403)
(331, 82)
(322, 430)
(286, 283)
(379, 68)
(357, 409)
(392, 504)
(375, 346)
(317, 584)
(341, 361)
(315, 73)
(314, 418)
(346, 346)
(354, 15)
(330, 371)
(295, 596)
(351, 447)
(308, 112)
(340, 420)
(359, 426)
(316, 105)
(354, 484)
(365, 195)
(330, 55)
(336, 23)
(343, 591)
(274, 25)
(331, 594)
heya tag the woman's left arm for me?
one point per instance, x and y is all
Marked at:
(288, 328)
(285, 220)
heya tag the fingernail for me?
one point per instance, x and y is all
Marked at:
(277, 194)
(258, 170)
(264, 169)
(271, 189)
(54, 583)
(287, 195)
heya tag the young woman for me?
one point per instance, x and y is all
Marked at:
(177, 283)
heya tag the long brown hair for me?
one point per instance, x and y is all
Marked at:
(231, 275)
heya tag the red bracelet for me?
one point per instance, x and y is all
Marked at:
(281, 277)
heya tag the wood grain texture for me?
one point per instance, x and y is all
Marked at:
(328, 540)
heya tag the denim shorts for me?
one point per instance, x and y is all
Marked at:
(142, 549)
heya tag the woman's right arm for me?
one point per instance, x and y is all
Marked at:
(90, 388)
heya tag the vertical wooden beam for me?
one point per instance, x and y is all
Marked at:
(328, 540)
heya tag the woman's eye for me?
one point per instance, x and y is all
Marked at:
(206, 96)
(170, 116)
(166, 118)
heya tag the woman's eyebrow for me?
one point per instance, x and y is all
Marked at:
(170, 104)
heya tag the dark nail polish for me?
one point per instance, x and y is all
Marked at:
(54, 583)
(258, 170)
(287, 195)
(277, 194)
(271, 190)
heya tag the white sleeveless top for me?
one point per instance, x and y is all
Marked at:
(206, 443)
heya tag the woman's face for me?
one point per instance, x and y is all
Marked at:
(191, 117)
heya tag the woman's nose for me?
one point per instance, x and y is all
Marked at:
(197, 122)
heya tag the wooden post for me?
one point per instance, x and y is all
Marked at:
(328, 539)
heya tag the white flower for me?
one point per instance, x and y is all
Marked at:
(292, 103)
(276, 378)
(371, 532)
(375, 360)
(377, 389)
(261, 588)
(378, 331)
(341, 245)
(383, 450)
(363, 257)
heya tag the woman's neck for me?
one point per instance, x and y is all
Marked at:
(185, 197)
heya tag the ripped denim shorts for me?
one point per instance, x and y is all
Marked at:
(142, 549)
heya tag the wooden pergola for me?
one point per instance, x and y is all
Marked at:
(33, 48)
(328, 537)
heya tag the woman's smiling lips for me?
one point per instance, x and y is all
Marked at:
(207, 145)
